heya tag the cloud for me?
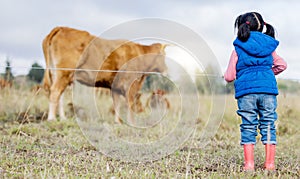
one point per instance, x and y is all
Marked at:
(24, 24)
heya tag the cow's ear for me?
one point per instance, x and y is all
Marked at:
(156, 45)
(163, 46)
(160, 46)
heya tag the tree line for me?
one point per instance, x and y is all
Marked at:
(204, 82)
(35, 74)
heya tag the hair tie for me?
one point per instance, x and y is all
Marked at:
(247, 22)
(265, 23)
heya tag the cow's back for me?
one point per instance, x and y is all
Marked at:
(62, 48)
(109, 56)
(95, 58)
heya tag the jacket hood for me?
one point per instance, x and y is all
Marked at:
(258, 44)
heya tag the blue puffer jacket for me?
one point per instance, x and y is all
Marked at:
(254, 66)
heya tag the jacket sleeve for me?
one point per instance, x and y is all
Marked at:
(279, 65)
(230, 73)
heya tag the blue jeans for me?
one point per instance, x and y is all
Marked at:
(251, 107)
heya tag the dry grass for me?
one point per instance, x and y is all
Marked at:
(32, 148)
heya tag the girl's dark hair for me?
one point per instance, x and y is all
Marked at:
(251, 21)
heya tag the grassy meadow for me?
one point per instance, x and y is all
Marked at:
(31, 147)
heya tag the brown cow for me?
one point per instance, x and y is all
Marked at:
(157, 98)
(63, 48)
(4, 83)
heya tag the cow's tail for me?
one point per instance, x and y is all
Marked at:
(47, 81)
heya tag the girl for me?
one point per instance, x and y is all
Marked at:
(253, 65)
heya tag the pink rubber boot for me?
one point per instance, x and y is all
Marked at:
(248, 157)
(270, 157)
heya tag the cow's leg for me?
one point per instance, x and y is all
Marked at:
(133, 99)
(130, 118)
(130, 106)
(52, 110)
(62, 115)
(57, 88)
(118, 120)
(116, 107)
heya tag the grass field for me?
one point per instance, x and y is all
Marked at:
(33, 148)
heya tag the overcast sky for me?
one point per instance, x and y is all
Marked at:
(24, 24)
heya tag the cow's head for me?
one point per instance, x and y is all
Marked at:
(157, 50)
